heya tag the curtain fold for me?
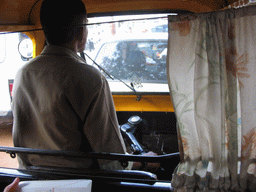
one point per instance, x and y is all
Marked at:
(212, 79)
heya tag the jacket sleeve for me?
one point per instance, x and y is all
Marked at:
(101, 127)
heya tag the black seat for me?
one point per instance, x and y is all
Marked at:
(137, 181)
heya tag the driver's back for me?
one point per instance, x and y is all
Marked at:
(60, 103)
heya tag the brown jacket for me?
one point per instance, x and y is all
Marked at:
(61, 103)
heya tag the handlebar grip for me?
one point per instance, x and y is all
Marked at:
(135, 144)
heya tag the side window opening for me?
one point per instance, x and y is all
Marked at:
(15, 50)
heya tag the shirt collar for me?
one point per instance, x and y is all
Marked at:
(60, 50)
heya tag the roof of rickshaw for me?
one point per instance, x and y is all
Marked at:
(26, 12)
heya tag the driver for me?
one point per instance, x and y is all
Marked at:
(61, 103)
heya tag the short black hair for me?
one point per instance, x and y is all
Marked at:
(60, 19)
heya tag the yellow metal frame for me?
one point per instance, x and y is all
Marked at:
(147, 103)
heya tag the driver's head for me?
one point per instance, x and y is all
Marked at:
(63, 20)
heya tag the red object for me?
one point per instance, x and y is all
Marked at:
(10, 87)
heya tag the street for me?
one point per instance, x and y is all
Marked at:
(6, 140)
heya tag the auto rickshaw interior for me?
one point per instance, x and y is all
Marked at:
(127, 42)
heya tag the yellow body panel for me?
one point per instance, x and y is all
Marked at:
(147, 103)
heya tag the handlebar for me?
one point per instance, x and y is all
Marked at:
(128, 130)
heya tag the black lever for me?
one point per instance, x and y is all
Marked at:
(128, 131)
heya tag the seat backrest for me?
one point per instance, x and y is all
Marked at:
(126, 174)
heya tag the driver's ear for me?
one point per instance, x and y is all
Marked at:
(81, 38)
(79, 33)
(82, 34)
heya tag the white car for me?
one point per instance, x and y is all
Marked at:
(135, 62)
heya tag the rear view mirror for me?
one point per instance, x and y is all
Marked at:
(26, 48)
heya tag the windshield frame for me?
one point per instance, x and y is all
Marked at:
(130, 87)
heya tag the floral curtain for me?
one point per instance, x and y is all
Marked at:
(212, 80)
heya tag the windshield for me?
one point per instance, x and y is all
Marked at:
(130, 50)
